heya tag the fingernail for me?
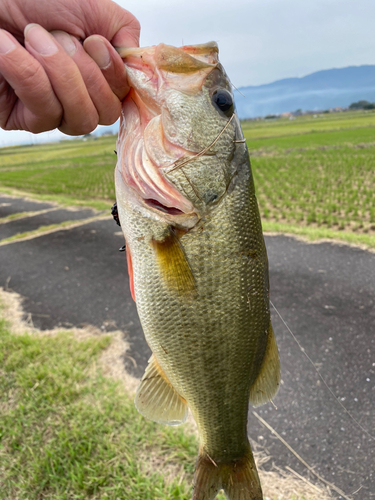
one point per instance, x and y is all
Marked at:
(66, 41)
(40, 40)
(6, 43)
(98, 51)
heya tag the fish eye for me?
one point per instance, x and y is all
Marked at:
(223, 100)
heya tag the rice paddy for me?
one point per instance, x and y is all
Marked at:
(312, 173)
(316, 172)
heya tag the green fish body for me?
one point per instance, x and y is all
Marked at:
(197, 259)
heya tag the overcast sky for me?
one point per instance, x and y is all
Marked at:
(260, 41)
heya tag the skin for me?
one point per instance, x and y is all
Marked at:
(58, 65)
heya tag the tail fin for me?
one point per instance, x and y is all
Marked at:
(238, 478)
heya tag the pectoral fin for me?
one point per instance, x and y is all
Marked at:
(174, 266)
(157, 399)
(267, 383)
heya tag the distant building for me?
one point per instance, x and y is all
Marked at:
(337, 109)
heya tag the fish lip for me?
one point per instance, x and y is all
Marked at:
(185, 59)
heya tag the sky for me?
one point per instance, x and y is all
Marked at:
(260, 41)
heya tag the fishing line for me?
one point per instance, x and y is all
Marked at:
(321, 377)
(331, 485)
(201, 153)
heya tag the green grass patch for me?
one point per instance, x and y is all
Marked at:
(326, 130)
(45, 229)
(309, 123)
(317, 233)
(64, 201)
(67, 432)
(18, 215)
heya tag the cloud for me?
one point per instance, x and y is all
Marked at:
(260, 41)
(265, 40)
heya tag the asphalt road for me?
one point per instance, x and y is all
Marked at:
(325, 292)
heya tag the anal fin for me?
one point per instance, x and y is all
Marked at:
(267, 383)
(157, 399)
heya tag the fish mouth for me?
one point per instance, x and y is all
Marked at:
(178, 60)
(158, 206)
(144, 152)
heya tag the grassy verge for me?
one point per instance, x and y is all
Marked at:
(68, 224)
(68, 432)
(64, 201)
(318, 233)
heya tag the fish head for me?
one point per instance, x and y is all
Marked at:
(178, 131)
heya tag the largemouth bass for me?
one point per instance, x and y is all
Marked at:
(196, 258)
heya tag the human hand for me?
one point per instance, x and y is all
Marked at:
(48, 78)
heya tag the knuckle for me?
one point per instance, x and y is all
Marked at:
(91, 122)
(41, 125)
(82, 127)
(135, 25)
(33, 75)
(87, 128)
(110, 115)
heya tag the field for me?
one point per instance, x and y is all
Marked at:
(73, 172)
(314, 175)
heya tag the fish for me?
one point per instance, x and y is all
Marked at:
(197, 261)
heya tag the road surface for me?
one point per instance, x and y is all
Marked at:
(325, 292)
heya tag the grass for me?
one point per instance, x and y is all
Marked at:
(47, 229)
(68, 432)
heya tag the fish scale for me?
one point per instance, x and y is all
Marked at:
(201, 287)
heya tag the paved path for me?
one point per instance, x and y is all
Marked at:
(325, 292)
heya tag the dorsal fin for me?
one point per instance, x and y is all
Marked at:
(267, 383)
(157, 399)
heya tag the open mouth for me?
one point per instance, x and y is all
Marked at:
(168, 210)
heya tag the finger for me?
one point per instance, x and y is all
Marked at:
(105, 101)
(128, 35)
(79, 116)
(7, 101)
(109, 62)
(37, 109)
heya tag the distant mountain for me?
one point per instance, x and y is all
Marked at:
(321, 90)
